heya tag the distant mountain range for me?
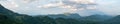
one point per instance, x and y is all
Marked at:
(73, 15)
(9, 17)
(97, 17)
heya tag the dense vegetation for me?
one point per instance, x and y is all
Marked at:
(40, 20)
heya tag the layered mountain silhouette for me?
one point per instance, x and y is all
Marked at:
(70, 15)
(9, 17)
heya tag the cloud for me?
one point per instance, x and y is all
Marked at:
(69, 4)
(109, 7)
(81, 9)
(83, 1)
(51, 6)
(28, 1)
(3, 0)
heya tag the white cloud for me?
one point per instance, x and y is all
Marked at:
(28, 1)
(72, 10)
(83, 1)
(67, 6)
(92, 7)
(49, 5)
(81, 9)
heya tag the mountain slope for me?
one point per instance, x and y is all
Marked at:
(96, 18)
(7, 16)
(114, 20)
(3, 10)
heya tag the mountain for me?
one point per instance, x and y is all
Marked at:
(5, 11)
(114, 20)
(97, 17)
(10, 17)
(15, 17)
(7, 16)
(69, 15)
(8, 12)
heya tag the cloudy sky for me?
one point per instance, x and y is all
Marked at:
(82, 7)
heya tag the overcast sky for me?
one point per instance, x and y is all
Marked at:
(82, 7)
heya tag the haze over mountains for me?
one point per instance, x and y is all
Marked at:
(9, 17)
(59, 12)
